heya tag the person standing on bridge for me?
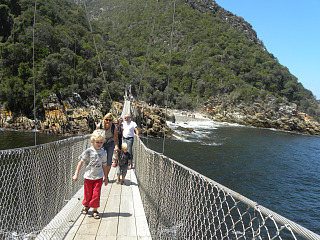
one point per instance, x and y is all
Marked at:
(123, 161)
(95, 160)
(111, 141)
(129, 130)
(118, 124)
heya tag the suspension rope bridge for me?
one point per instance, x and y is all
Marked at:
(163, 199)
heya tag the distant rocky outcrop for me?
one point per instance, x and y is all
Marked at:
(74, 116)
(190, 130)
(152, 120)
(266, 114)
(69, 116)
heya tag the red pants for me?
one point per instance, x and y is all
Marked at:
(92, 192)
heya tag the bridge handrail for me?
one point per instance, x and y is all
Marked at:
(219, 211)
(35, 184)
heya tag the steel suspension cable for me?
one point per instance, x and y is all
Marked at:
(145, 66)
(148, 47)
(75, 46)
(95, 46)
(170, 56)
(33, 73)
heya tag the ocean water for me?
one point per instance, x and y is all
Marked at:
(279, 170)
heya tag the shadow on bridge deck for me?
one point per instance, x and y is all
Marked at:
(121, 213)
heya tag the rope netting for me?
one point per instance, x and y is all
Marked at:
(35, 184)
(182, 204)
(39, 200)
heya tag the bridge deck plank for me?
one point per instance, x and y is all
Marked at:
(121, 212)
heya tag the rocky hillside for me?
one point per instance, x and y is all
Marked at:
(73, 116)
(70, 116)
(213, 53)
(265, 114)
(238, 23)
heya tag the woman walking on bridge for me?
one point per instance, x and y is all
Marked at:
(112, 141)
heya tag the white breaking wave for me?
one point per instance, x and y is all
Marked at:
(211, 144)
(194, 129)
(177, 137)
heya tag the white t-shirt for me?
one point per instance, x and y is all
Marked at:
(93, 160)
(128, 129)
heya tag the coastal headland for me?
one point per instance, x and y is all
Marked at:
(74, 116)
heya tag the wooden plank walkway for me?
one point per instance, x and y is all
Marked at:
(121, 214)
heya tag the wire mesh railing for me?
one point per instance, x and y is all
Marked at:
(35, 184)
(182, 204)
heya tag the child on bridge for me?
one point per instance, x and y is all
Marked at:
(95, 160)
(123, 160)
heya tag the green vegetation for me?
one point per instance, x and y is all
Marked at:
(209, 54)
(65, 57)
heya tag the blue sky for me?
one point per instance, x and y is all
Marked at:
(290, 30)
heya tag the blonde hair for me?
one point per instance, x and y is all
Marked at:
(124, 146)
(98, 135)
(108, 116)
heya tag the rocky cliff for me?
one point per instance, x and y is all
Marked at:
(152, 120)
(69, 116)
(73, 116)
(265, 114)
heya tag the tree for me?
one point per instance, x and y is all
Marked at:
(6, 22)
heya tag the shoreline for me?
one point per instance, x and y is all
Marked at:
(151, 119)
(235, 123)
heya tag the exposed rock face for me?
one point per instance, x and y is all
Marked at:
(190, 130)
(62, 117)
(71, 116)
(152, 120)
(74, 116)
(266, 114)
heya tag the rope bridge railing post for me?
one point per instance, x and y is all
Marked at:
(182, 204)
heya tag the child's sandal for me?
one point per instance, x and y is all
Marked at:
(85, 210)
(96, 215)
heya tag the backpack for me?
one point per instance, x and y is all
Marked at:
(123, 158)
